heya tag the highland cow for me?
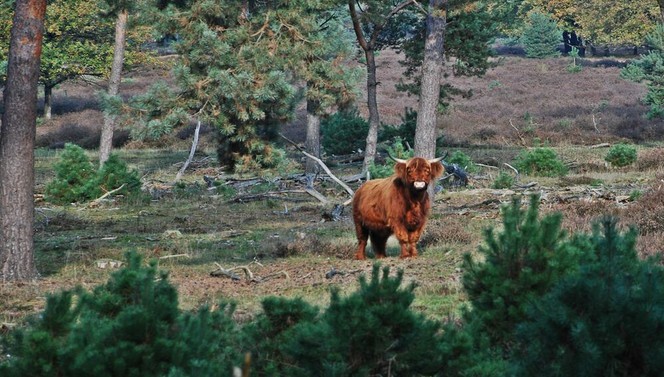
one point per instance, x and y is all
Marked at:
(396, 205)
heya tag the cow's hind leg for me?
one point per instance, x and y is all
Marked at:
(379, 242)
(362, 238)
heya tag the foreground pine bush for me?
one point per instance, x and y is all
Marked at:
(606, 320)
(131, 326)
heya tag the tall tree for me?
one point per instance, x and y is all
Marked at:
(17, 140)
(432, 64)
(78, 42)
(121, 9)
(240, 69)
(330, 80)
(369, 22)
(452, 28)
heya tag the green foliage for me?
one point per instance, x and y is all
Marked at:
(462, 160)
(649, 68)
(541, 36)
(503, 181)
(241, 70)
(343, 132)
(573, 66)
(621, 155)
(266, 336)
(76, 179)
(540, 162)
(73, 171)
(78, 40)
(404, 131)
(114, 174)
(397, 150)
(519, 265)
(130, 326)
(468, 34)
(605, 320)
(370, 332)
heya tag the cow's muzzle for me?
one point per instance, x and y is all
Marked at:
(419, 185)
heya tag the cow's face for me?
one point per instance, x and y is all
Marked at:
(417, 173)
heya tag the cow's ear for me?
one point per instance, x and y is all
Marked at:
(400, 170)
(436, 170)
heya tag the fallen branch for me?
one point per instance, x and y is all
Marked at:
(175, 256)
(333, 272)
(516, 172)
(269, 195)
(220, 272)
(311, 191)
(106, 195)
(271, 276)
(322, 164)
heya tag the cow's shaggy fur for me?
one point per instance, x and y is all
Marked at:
(396, 205)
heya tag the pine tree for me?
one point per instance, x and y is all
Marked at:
(541, 36)
(649, 68)
(520, 264)
(369, 332)
(238, 71)
(606, 320)
(130, 326)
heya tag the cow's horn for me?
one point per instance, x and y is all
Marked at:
(399, 160)
(438, 159)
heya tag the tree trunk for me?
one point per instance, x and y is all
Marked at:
(48, 101)
(426, 129)
(372, 105)
(17, 141)
(313, 137)
(661, 10)
(106, 140)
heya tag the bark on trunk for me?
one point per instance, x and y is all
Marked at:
(106, 140)
(17, 140)
(313, 137)
(48, 101)
(372, 105)
(427, 115)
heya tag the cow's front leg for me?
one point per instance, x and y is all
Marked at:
(404, 240)
(413, 238)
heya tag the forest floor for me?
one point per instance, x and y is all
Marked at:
(278, 240)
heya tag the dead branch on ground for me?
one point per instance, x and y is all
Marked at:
(96, 202)
(322, 164)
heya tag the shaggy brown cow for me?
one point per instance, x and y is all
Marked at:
(396, 205)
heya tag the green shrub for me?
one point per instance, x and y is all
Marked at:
(605, 320)
(113, 175)
(540, 162)
(648, 68)
(573, 66)
(503, 181)
(76, 179)
(370, 332)
(344, 132)
(519, 264)
(621, 155)
(463, 160)
(541, 36)
(404, 131)
(130, 326)
(397, 150)
(73, 171)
